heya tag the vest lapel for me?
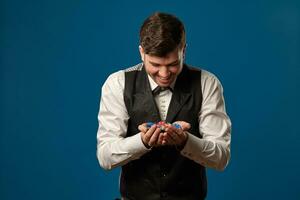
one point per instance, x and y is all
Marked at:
(177, 101)
(180, 95)
(145, 97)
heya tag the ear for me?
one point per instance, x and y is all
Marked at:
(142, 53)
(183, 51)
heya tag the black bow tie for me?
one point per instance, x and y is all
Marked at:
(159, 89)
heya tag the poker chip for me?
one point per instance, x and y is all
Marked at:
(149, 124)
(176, 125)
(162, 125)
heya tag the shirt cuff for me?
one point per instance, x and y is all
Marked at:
(136, 145)
(192, 148)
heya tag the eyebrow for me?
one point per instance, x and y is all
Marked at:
(172, 63)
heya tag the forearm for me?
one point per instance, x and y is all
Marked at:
(213, 148)
(113, 147)
(114, 152)
(209, 153)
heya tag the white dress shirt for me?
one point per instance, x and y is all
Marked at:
(115, 149)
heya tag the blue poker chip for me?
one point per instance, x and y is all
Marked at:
(176, 125)
(149, 124)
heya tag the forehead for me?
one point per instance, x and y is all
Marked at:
(169, 58)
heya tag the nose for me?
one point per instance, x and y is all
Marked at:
(164, 72)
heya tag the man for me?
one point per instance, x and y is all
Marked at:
(166, 163)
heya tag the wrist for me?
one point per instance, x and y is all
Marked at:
(182, 145)
(144, 143)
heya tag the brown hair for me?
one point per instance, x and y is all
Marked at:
(161, 33)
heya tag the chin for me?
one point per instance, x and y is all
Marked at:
(164, 84)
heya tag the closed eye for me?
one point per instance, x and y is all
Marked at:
(175, 63)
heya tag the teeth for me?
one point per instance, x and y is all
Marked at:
(163, 78)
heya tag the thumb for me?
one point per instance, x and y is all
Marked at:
(143, 127)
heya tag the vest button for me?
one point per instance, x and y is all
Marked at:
(163, 174)
(163, 195)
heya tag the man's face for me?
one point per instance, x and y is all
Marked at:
(163, 70)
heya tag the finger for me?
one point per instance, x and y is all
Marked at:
(173, 136)
(149, 133)
(181, 137)
(160, 139)
(164, 142)
(143, 127)
(171, 131)
(176, 135)
(168, 139)
(154, 137)
(180, 134)
(184, 125)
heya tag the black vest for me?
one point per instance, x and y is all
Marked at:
(163, 173)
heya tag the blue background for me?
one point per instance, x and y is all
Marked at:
(55, 56)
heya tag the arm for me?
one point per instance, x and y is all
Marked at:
(213, 150)
(113, 147)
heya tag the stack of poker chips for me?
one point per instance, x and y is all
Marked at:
(162, 125)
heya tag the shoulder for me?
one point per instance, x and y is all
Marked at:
(117, 79)
(209, 81)
(137, 67)
(206, 76)
(114, 79)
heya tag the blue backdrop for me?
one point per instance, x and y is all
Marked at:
(55, 56)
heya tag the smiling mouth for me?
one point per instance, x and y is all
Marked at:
(164, 79)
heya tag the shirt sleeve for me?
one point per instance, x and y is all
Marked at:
(113, 147)
(213, 149)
